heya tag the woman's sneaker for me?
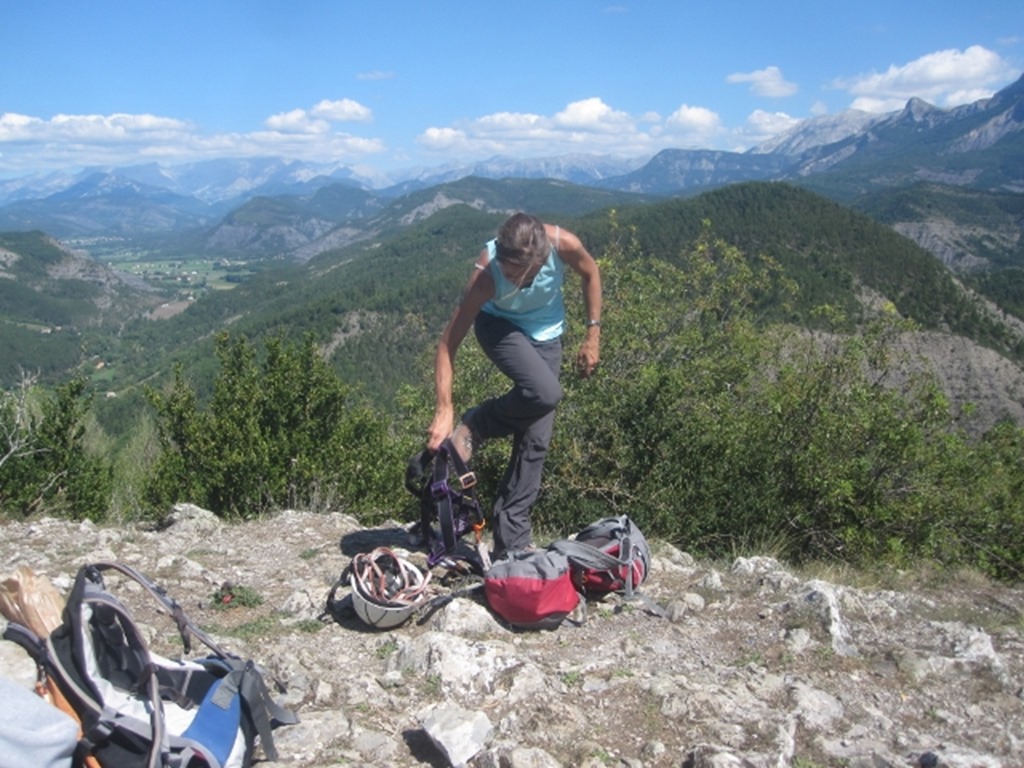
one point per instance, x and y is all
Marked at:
(462, 439)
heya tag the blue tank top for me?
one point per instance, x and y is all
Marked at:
(537, 309)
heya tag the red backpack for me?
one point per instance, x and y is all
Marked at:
(532, 590)
(541, 588)
(610, 555)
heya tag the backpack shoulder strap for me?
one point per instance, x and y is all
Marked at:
(89, 590)
(440, 491)
(28, 640)
(264, 712)
(186, 628)
(587, 556)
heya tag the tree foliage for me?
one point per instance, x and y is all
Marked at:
(722, 434)
(46, 465)
(281, 431)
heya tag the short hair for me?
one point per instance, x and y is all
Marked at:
(522, 241)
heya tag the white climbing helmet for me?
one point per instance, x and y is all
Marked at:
(386, 589)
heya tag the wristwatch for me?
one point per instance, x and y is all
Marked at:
(593, 323)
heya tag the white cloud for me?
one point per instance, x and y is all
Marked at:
(694, 119)
(296, 121)
(319, 118)
(508, 123)
(15, 127)
(944, 78)
(30, 144)
(588, 125)
(592, 115)
(443, 139)
(691, 128)
(342, 111)
(761, 126)
(90, 128)
(765, 82)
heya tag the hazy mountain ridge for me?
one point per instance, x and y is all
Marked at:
(675, 171)
(300, 228)
(583, 169)
(816, 132)
(107, 204)
(979, 145)
(844, 157)
(975, 126)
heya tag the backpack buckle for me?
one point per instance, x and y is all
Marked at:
(467, 480)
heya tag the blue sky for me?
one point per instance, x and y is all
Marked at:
(393, 84)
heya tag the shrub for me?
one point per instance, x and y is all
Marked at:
(719, 433)
(279, 432)
(46, 464)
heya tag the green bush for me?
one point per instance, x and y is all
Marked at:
(721, 434)
(45, 463)
(279, 432)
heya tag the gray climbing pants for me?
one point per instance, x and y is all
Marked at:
(526, 412)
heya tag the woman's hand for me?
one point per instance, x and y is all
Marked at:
(590, 353)
(440, 428)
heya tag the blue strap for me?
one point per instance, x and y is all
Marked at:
(216, 723)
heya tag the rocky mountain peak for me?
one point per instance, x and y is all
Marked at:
(1010, 96)
(816, 132)
(917, 110)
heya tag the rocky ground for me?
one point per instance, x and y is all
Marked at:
(754, 665)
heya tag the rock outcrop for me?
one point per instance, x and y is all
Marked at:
(754, 665)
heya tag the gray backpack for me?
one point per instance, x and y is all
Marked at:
(137, 709)
(610, 555)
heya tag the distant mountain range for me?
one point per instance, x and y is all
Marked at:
(979, 145)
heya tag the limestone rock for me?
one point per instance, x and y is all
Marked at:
(754, 666)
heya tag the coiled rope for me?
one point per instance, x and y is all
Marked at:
(387, 579)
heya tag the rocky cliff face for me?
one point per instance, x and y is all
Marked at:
(755, 664)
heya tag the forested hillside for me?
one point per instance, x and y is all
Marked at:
(968, 230)
(376, 305)
(54, 301)
(833, 253)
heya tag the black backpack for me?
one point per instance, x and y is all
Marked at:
(139, 709)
